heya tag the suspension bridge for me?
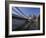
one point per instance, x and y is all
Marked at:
(21, 21)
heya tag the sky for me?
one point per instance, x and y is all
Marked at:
(28, 11)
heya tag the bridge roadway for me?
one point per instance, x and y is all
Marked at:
(27, 25)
